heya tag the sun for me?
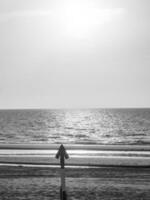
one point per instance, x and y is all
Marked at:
(80, 19)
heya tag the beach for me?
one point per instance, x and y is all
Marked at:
(74, 100)
(109, 154)
(92, 172)
(36, 183)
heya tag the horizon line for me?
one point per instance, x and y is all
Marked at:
(75, 108)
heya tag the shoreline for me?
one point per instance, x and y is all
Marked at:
(53, 166)
(80, 166)
(78, 161)
(49, 146)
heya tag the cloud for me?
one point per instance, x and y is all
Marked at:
(105, 13)
(28, 13)
(110, 14)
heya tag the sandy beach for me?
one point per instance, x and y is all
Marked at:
(36, 183)
(92, 173)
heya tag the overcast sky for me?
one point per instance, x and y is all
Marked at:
(58, 54)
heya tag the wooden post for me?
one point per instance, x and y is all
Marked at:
(62, 154)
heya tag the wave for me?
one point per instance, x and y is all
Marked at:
(98, 155)
(76, 146)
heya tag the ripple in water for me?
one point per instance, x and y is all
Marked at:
(87, 126)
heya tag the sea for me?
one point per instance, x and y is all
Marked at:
(92, 137)
(76, 126)
(108, 149)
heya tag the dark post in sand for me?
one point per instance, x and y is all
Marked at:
(62, 154)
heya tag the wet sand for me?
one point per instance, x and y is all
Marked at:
(42, 183)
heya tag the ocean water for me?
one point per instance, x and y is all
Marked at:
(84, 126)
(125, 131)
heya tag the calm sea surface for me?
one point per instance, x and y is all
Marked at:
(87, 126)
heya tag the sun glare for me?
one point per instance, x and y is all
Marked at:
(78, 20)
(81, 19)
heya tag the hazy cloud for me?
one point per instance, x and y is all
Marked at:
(60, 54)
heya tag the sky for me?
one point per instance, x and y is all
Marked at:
(74, 53)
